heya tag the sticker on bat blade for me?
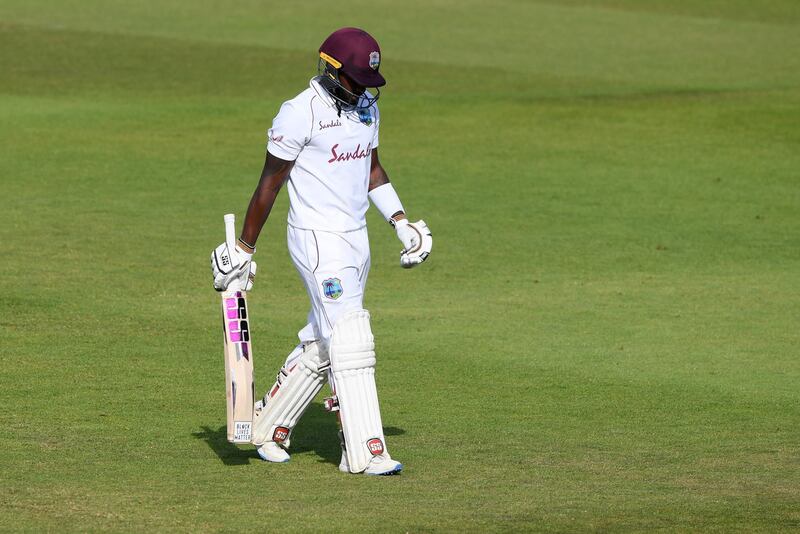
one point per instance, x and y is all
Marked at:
(242, 430)
(238, 328)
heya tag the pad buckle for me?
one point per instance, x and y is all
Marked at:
(331, 404)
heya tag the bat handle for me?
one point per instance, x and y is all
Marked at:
(230, 231)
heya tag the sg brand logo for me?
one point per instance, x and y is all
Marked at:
(236, 312)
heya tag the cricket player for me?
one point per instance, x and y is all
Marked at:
(323, 145)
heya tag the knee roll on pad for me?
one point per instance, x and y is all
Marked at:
(275, 421)
(352, 355)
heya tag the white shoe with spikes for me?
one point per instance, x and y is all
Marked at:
(272, 452)
(381, 465)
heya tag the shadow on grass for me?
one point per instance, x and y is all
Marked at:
(317, 432)
(229, 453)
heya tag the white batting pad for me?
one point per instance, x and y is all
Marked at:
(352, 352)
(275, 421)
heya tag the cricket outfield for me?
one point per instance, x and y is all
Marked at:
(605, 336)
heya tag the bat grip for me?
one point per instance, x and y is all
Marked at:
(230, 231)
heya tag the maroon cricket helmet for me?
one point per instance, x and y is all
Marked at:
(356, 53)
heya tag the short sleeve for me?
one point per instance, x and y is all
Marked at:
(289, 132)
(377, 127)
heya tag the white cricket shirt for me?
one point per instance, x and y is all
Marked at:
(329, 182)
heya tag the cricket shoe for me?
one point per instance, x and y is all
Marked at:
(272, 452)
(381, 465)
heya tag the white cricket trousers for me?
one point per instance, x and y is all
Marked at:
(334, 268)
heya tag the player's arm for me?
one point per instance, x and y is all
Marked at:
(237, 265)
(273, 176)
(416, 237)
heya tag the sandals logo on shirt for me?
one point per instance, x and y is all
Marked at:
(357, 153)
(332, 288)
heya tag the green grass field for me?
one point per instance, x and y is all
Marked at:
(605, 337)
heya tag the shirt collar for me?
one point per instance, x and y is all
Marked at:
(323, 94)
(326, 97)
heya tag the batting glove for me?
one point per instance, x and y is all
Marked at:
(232, 270)
(417, 242)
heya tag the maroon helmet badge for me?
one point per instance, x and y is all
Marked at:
(280, 434)
(375, 446)
(375, 60)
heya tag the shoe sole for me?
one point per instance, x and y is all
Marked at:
(274, 461)
(394, 471)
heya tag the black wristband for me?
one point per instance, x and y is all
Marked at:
(250, 249)
(392, 221)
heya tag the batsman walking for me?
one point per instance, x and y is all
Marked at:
(323, 145)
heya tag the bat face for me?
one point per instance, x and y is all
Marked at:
(240, 388)
(236, 328)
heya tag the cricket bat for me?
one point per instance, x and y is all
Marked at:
(239, 383)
